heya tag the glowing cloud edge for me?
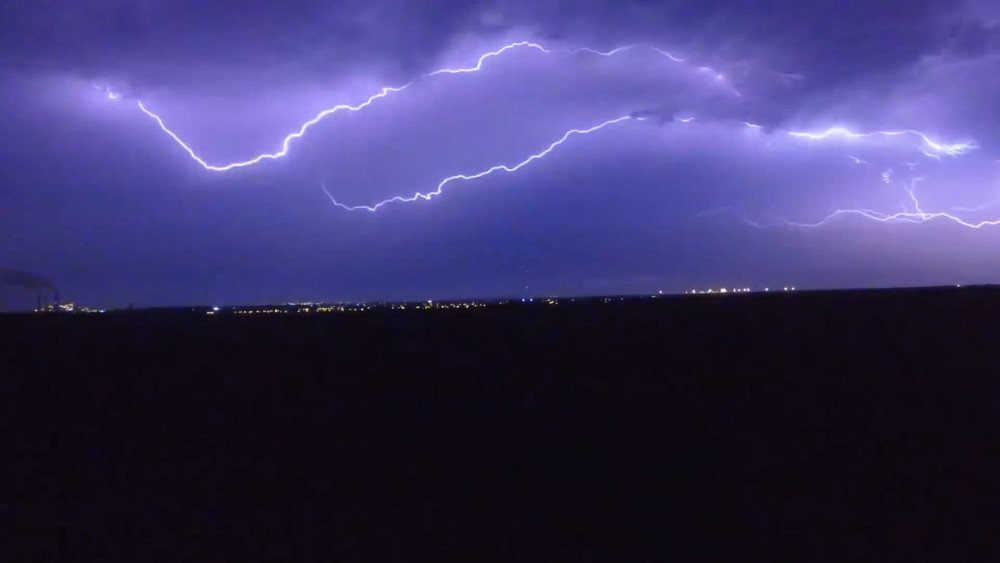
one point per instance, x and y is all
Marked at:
(385, 92)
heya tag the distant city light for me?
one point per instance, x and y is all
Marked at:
(347, 308)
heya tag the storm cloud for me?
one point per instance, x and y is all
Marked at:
(91, 185)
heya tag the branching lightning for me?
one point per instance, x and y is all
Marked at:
(465, 177)
(284, 145)
(915, 215)
(929, 147)
(385, 92)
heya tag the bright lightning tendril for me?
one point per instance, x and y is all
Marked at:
(386, 91)
(917, 215)
(926, 145)
(930, 148)
(462, 177)
(284, 145)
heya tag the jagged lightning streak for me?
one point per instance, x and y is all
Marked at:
(930, 147)
(465, 177)
(491, 54)
(669, 55)
(388, 90)
(917, 215)
(886, 176)
(284, 145)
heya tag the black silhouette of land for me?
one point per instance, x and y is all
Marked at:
(827, 426)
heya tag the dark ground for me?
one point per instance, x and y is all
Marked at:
(812, 427)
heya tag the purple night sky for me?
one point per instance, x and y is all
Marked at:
(740, 138)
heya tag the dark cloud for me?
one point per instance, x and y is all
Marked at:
(825, 39)
(94, 192)
(842, 37)
(162, 42)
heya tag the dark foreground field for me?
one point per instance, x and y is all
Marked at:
(812, 427)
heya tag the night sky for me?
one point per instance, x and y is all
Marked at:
(739, 138)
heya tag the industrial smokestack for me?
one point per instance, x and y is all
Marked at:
(25, 280)
(34, 283)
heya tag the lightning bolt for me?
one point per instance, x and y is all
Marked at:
(902, 216)
(466, 177)
(926, 145)
(385, 92)
(917, 215)
(929, 147)
(284, 145)
(669, 56)
(491, 54)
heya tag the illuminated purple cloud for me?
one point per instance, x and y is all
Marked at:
(771, 112)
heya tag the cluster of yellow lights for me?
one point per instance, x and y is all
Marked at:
(724, 290)
(304, 308)
(432, 305)
(89, 310)
(329, 309)
(258, 311)
(67, 308)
